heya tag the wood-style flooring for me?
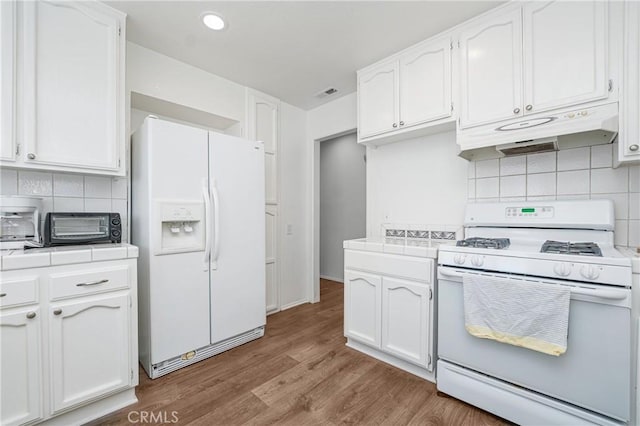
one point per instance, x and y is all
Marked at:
(300, 373)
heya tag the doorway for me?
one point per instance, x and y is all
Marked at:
(342, 201)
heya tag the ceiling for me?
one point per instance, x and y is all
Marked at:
(291, 49)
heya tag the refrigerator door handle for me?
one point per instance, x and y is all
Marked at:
(216, 226)
(207, 224)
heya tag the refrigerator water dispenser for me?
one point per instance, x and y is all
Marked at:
(181, 228)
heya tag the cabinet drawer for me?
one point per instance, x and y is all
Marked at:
(20, 291)
(415, 268)
(88, 281)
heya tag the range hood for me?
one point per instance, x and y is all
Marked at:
(540, 133)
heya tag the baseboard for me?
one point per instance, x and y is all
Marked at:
(293, 304)
(338, 280)
(95, 410)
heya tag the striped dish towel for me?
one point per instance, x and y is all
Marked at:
(521, 313)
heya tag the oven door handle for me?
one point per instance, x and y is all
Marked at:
(582, 291)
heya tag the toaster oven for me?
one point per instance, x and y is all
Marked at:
(81, 228)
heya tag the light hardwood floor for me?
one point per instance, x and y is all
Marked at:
(301, 372)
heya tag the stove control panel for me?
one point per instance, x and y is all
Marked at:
(542, 212)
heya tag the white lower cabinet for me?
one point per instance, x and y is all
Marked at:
(89, 349)
(362, 307)
(20, 366)
(388, 308)
(68, 341)
(406, 320)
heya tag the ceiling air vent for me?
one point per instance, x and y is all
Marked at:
(326, 92)
(529, 147)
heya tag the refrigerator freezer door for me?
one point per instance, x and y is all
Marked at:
(178, 285)
(238, 256)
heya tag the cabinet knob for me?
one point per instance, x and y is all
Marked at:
(31, 156)
(3, 294)
(529, 107)
(402, 123)
(633, 147)
(395, 125)
(31, 315)
(516, 110)
(57, 312)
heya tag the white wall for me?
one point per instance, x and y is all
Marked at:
(342, 201)
(418, 181)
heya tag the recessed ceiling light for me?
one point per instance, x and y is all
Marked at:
(213, 21)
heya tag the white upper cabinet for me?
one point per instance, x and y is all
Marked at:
(491, 70)
(7, 81)
(564, 53)
(537, 57)
(72, 115)
(378, 100)
(407, 93)
(629, 136)
(425, 83)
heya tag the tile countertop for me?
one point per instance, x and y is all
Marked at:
(407, 247)
(51, 256)
(631, 252)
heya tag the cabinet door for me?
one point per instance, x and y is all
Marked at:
(263, 126)
(629, 136)
(362, 307)
(89, 349)
(565, 46)
(406, 330)
(425, 83)
(20, 367)
(72, 88)
(491, 70)
(7, 81)
(271, 218)
(378, 100)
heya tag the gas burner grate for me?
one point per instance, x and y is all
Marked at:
(567, 247)
(494, 243)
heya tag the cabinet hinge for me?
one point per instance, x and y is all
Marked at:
(118, 163)
(610, 85)
(430, 294)
(451, 45)
(119, 31)
(132, 373)
(458, 44)
(428, 359)
(17, 149)
(451, 106)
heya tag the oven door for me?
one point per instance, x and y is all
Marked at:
(594, 372)
(79, 228)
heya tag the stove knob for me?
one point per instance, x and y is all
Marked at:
(590, 272)
(477, 260)
(459, 259)
(563, 269)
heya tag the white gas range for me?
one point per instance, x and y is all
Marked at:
(562, 243)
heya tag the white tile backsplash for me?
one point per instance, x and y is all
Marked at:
(35, 183)
(601, 156)
(8, 182)
(513, 186)
(541, 184)
(67, 185)
(541, 163)
(67, 192)
(97, 187)
(572, 174)
(488, 188)
(607, 181)
(573, 182)
(574, 159)
(487, 168)
(513, 165)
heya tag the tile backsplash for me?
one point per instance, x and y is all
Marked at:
(63, 192)
(571, 174)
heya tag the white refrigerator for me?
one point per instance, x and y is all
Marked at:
(197, 208)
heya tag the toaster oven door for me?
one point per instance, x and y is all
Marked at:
(76, 229)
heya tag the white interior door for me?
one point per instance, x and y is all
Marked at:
(238, 253)
(425, 83)
(89, 349)
(565, 46)
(20, 367)
(491, 70)
(378, 100)
(71, 67)
(7, 81)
